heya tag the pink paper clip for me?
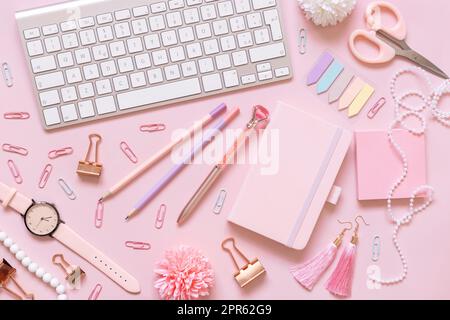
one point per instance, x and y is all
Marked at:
(376, 107)
(45, 176)
(159, 222)
(15, 172)
(136, 245)
(60, 152)
(153, 127)
(95, 292)
(99, 214)
(14, 149)
(128, 152)
(16, 115)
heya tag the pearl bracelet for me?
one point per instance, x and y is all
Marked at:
(33, 267)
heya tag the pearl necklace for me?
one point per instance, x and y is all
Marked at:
(33, 267)
(430, 101)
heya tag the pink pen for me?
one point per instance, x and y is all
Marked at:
(165, 180)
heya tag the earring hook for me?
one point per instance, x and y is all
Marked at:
(362, 218)
(346, 222)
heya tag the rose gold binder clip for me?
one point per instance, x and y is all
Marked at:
(250, 271)
(7, 273)
(60, 152)
(45, 176)
(128, 152)
(95, 292)
(98, 221)
(87, 167)
(14, 149)
(376, 108)
(16, 115)
(153, 127)
(15, 172)
(74, 274)
(160, 217)
(136, 245)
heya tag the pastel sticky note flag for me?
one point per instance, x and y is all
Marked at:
(378, 165)
(360, 100)
(350, 93)
(339, 85)
(333, 71)
(319, 68)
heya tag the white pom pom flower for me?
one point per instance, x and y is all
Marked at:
(327, 12)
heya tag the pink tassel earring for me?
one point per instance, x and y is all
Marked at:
(308, 273)
(340, 281)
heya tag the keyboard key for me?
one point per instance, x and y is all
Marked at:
(271, 18)
(104, 18)
(105, 105)
(121, 83)
(122, 15)
(142, 61)
(254, 20)
(152, 42)
(262, 4)
(157, 94)
(169, 38)
(240, 58)
(103, 87)
(50, 30)
(242, 6)
(155, 76)
(262, 76)
(282, 72)
(271, 51)
(43, 64)
(125, 64)
(91, 72)
(68, 26)
(65, 60)
(70, 41)
(194, 50)
(220, 27)
(100, 52)
(174, 19)
(86, 90)
(176, 4)
(86, 22)
(172, 72)
(159, 57)
(206, 65)
(105, 34)
(211, 46)
(177, 54)
(122, 30)
(250, 78)
(262, 36)
(49, 98)
(83, 56)
(117, 49)
(50, 80)
(237, 24)
(69, 113)
(138, 79)
(139, 26)
(35, 48)
(157, 23)
(191, 16)
(158, 7)
(194, 2)
(230, 78)
(223, 61)
(245, 40)
(69, 94)
(186, 34)
(140, 11)
(31, 33)
(203, 31)
(52, 44)
(51, 116)
(87, 37)
(73, 75)
(189, 69)
(208, 12)
(212, 82)
(86, 109)
(134, 45)
(225, 8)
(263, 67)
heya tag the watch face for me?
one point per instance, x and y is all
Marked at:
(42, 219)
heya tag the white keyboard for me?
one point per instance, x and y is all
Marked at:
(92, 59)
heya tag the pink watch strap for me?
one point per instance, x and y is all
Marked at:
(11, 198)
(73, 241)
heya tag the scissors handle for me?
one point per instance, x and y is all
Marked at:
(385, 52)
(373, 19)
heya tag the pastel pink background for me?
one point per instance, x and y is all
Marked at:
(426, 242)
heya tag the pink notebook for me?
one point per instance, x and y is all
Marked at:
(378, 166)
(285, 206)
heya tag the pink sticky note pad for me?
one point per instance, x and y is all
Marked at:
(378, 165)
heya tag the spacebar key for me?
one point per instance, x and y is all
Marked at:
(156, 94)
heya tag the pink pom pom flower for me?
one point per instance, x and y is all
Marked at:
(184, 274)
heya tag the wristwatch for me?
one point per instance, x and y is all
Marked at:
(42, 219)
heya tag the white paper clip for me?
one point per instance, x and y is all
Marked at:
(302, 41)
(67, 190)
(7, 75)
(376, 248)
(220, 201)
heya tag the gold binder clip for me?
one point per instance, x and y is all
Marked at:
(7, 273)
(87, 167)
(74, 273)
(249, 272)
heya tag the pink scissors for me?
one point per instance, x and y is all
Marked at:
(390, 41)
